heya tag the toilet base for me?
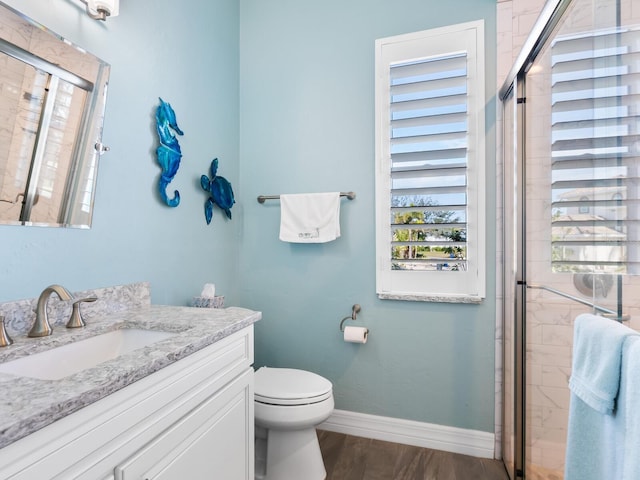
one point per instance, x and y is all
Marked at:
(290, 455)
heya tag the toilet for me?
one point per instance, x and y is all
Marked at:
(289, 403)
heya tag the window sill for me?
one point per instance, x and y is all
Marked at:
(427, 297)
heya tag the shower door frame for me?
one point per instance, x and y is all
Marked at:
(515, 85)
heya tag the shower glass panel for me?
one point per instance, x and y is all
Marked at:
(508, 387)
(572, 154)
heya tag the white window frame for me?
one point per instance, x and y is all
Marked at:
(441, 286)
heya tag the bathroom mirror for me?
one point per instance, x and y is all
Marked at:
(52, 101)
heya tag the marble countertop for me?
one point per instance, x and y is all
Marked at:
(28, 404)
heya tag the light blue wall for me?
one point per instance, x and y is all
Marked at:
(189, 56)
(304, 74)
(307, 125)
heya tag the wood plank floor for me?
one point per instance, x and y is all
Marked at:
(355, 458)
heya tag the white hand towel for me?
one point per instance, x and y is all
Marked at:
(310, 217)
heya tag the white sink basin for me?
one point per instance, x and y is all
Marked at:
(66, 360)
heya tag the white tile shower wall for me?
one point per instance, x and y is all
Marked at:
(548, 326)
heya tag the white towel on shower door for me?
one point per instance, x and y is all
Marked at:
(310, 217)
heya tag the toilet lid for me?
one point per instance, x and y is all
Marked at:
(288, 386)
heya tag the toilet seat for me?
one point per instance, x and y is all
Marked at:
(289, 386)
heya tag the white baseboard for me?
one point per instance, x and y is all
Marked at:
(408, 432)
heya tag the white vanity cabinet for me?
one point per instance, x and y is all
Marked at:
(190, 420)
(204, 444)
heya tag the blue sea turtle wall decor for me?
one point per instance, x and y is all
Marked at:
(220, 190)
(168, 152)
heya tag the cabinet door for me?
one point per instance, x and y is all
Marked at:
(214, 441)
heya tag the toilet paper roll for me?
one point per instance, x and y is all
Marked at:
(356, 334)
(209, 290)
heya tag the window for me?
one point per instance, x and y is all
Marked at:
(430, 165)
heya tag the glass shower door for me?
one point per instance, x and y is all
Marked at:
(571, 216)
(581, 208)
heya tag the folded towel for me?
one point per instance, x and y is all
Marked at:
(593, 437)
(597, 354)
(310, 217)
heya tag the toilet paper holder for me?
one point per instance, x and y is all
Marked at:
(354, 311)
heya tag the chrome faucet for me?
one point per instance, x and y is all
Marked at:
(42, 327)
(76, 320)
(5, 339)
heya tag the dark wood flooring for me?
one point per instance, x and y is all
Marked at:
(355, 458)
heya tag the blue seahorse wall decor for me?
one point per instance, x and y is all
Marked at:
(168, 153)
(220, 190)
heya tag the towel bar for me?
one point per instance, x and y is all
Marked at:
(262, 198)
(606, 312)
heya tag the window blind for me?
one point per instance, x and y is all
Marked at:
(595, 153)
(428, 147)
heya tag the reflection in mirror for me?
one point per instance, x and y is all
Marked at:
(52, 99)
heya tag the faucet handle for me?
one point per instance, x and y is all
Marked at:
(5, 339)
(76, 321)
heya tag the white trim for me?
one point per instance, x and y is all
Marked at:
(409, 432)
(433, 286)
